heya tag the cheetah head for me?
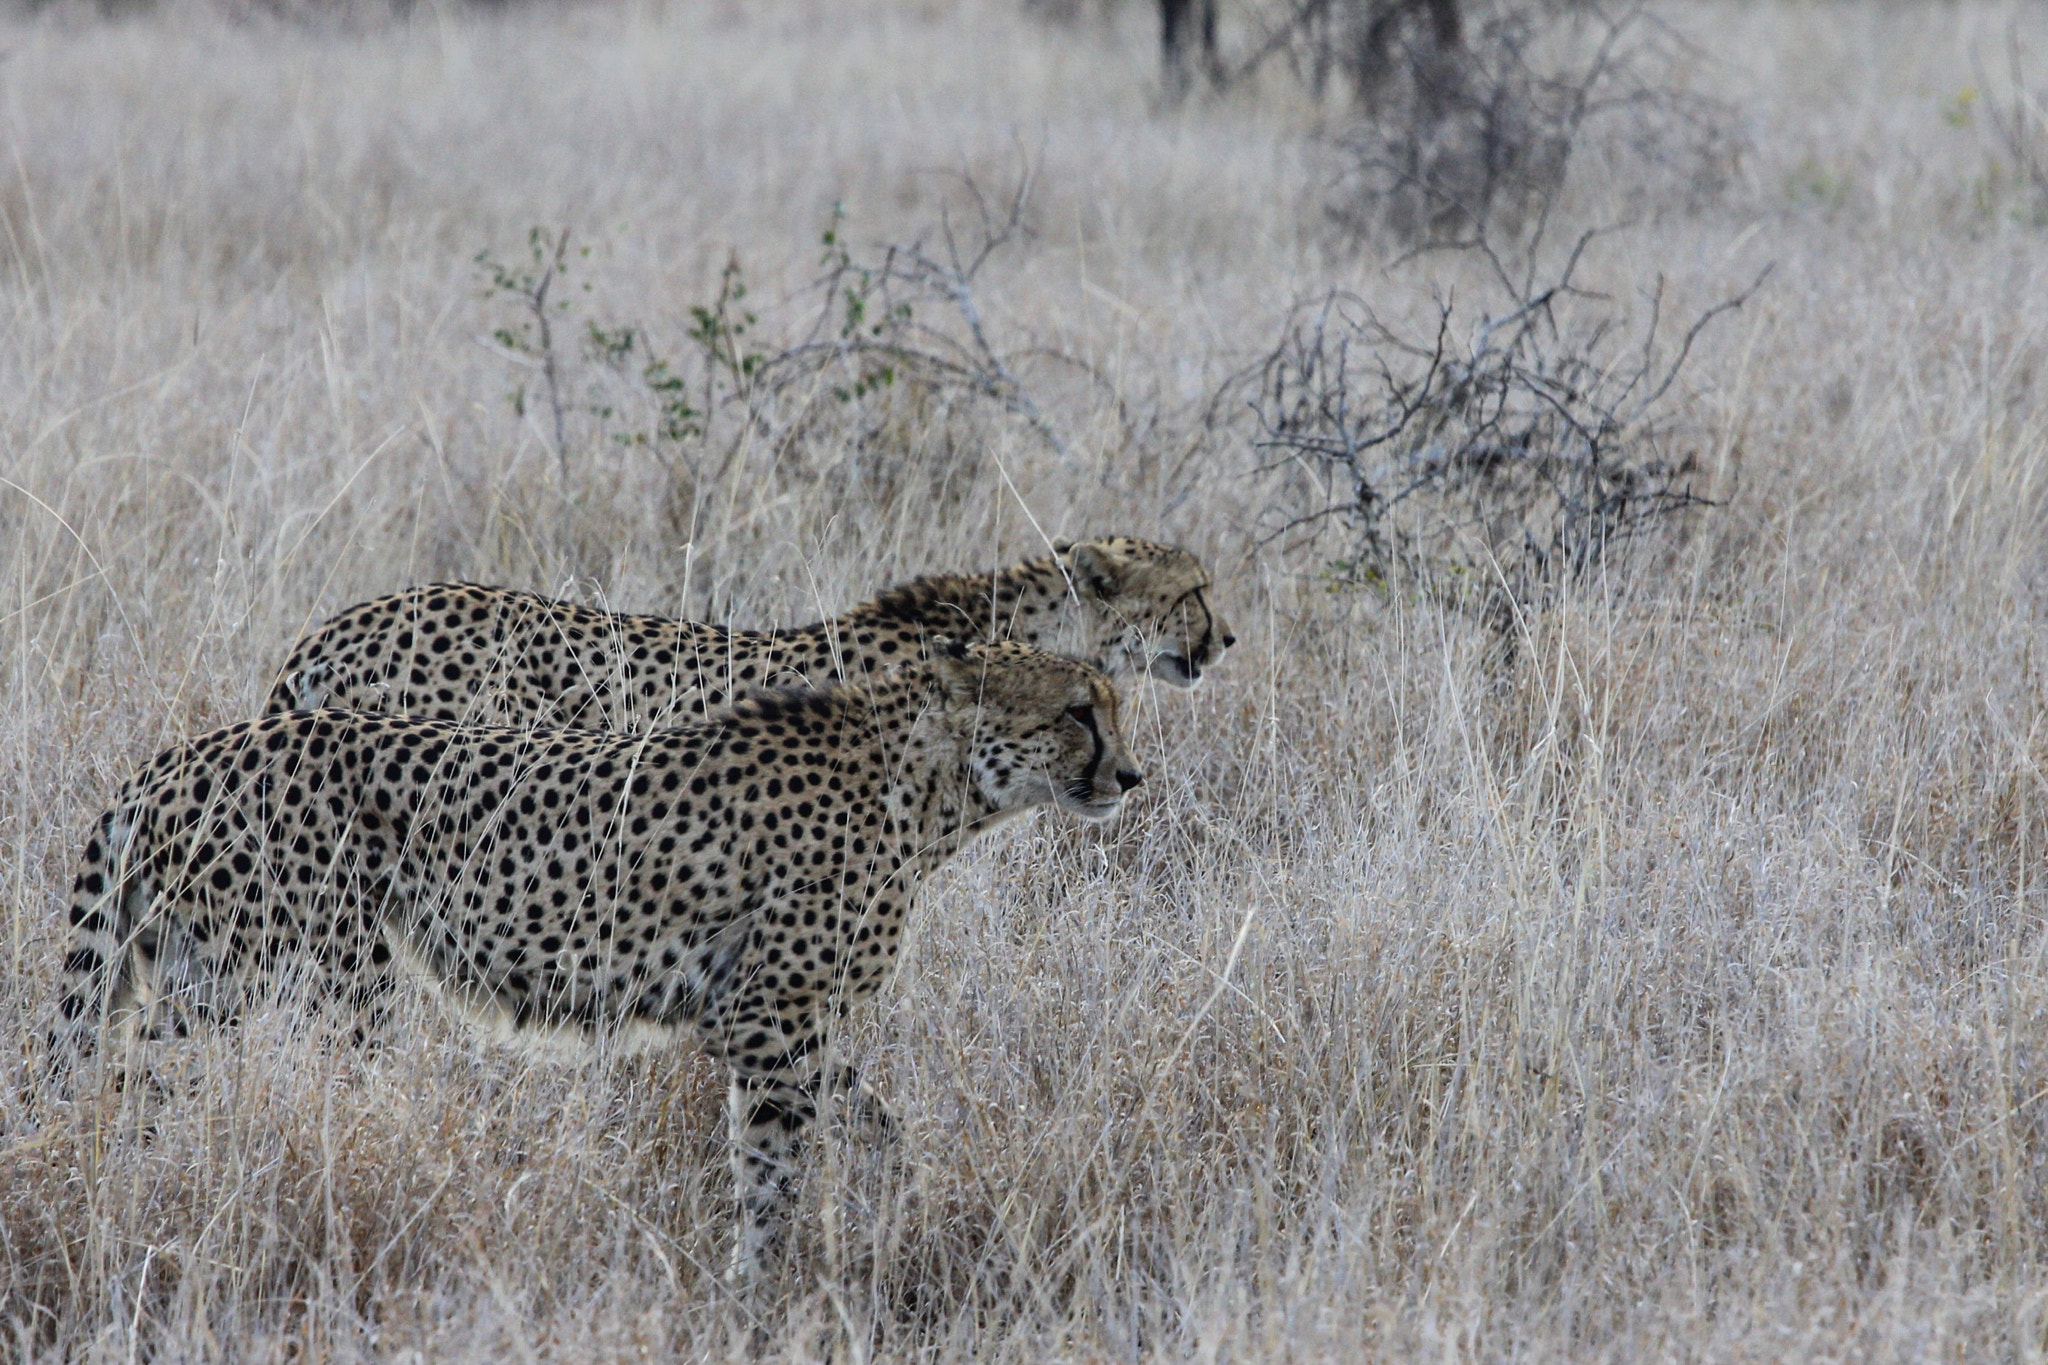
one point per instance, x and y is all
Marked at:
(1150, 604)
(1040, 729)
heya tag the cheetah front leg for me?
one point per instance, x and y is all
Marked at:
(767, 1118)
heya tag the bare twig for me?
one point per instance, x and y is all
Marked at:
(530, 284)
(549, 369)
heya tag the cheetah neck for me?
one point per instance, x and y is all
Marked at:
(937, 805)
(1029, 602)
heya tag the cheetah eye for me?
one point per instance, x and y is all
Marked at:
(1084, 714)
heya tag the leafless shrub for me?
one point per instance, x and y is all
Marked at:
(1462, 139)
(2018, 125)
(1490, 460)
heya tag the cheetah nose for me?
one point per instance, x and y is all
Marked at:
(1229, 640)
(1127, 778)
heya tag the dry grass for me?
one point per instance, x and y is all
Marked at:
(1677, 993)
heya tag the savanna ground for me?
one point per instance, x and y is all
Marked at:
(1669, 985)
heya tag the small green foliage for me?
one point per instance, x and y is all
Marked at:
(854, 287)
(718, 327)
(610, 347)
(863, 317)
(1814, 183)
(617, 388)
(677, 420)
(870, 379)
(621, 373)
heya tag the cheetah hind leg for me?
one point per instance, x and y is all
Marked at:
(368, 1002)
(102, 997)
(866, 1113)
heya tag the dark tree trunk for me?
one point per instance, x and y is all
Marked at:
(1183, 23)
(1373, 58)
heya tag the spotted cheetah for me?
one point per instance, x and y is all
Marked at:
(739, 882)
(455, 651)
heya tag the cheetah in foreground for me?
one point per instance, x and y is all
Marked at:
(456, 651)
(739, 882)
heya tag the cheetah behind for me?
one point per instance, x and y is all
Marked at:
(456, 651)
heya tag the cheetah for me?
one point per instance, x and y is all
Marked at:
(738, 882)
(454, 651)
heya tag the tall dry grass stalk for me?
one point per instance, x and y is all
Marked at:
(1675, 991)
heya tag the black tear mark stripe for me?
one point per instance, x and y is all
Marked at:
(1208, 625)
(1087, 782)
(1200, 649)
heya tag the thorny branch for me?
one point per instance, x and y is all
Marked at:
(1508, 462)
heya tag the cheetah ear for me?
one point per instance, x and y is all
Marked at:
(957, 671)
(1098, 569)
